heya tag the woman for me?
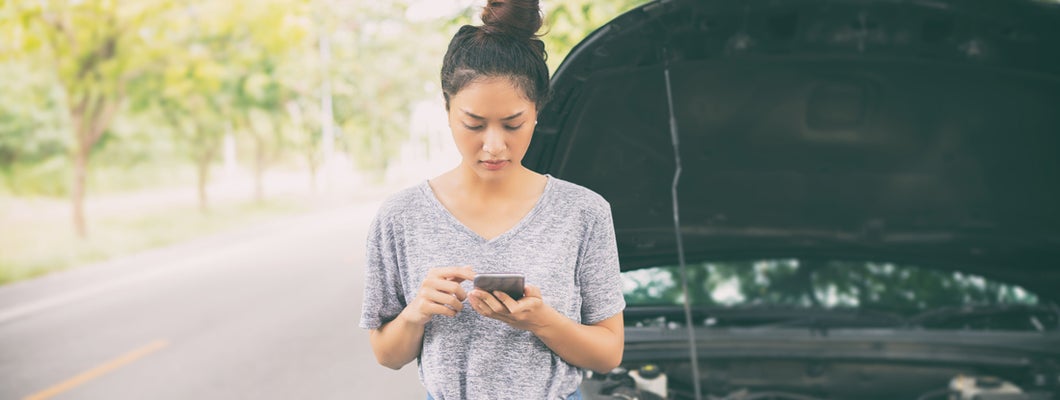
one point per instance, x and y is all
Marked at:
(491, 214)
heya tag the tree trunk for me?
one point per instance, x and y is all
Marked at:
(203, 165)
(259, 168)
(90, 117)
(313, 162)
(78, 192)
(259, 158)
(9, 178)
(313, 178)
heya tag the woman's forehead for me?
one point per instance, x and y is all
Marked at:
(492, 98)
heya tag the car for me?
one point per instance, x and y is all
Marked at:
(823, 199)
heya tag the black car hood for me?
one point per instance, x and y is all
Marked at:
(914, 131)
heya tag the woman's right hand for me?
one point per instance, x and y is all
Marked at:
(440, 294)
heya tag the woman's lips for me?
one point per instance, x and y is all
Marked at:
(494, 165)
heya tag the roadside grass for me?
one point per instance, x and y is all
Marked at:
(31, 247)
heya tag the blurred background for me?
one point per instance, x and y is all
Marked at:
(185, 186)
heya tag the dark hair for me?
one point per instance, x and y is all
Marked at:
(506, 45)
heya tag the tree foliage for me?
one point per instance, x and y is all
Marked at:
(114, 75)
(569, 22)
(31, 128)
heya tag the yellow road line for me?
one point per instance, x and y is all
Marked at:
(96, 372)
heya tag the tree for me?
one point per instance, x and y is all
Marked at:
(186, 91)
(31, 121)
(568, 22)
(95, 49)
(303, 134)
(265, 38)
(187, 101)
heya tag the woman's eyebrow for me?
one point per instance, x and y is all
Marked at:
(512, 117)
(508, 118)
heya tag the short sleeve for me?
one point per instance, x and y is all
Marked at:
(384, 296)
(598, 269)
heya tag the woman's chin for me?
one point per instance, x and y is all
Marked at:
(486, 171)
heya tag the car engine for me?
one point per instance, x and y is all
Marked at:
(650, 382)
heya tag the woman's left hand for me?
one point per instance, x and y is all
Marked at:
(529, 313)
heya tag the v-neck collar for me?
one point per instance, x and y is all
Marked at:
(503, 237)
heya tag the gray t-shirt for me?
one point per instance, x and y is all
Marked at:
(565, 245)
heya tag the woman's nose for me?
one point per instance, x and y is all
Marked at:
(493, 141)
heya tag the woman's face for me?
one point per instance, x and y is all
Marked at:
(492, 122)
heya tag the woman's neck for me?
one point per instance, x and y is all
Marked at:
(515, 184)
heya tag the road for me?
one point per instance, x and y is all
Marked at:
(265, 312)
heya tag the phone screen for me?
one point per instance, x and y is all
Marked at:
(512, 284)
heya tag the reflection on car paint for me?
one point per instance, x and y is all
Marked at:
(924, 297)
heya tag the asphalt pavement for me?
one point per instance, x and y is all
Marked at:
(264, 312)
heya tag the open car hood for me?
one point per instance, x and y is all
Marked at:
(925, 132)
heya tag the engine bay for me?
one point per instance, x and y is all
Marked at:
(814, 380)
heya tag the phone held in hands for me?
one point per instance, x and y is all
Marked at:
(509, 283)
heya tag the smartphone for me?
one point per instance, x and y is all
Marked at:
(512, 284)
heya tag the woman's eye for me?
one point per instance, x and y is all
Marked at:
(475, 127)
(512, 128)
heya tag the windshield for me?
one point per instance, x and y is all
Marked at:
(907, 295)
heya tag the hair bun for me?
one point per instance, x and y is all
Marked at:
(519, 18)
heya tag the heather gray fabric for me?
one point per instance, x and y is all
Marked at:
(565, 245)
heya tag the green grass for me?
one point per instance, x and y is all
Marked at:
(31, 247)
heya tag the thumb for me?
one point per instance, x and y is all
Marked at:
(531, 291)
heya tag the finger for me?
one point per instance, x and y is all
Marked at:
(438, 309)
(450, 287)
(460, 293)
(464, 273)
(478, 305)
(531, 291)
(507, 301)
(490, 301)
(456, 274)
(443, 298)
(478, 301)
(482, 307)
(443, 272)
